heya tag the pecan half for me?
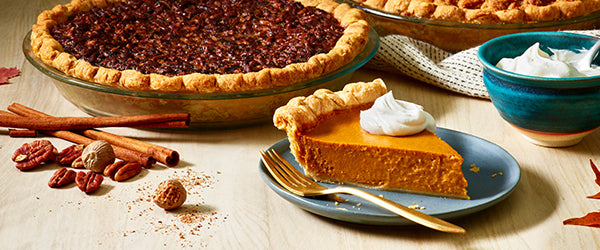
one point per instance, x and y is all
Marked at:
(88, 181)
(31, 155)
(69, 154)
(61, 177)
(77, 163)
(122, 170)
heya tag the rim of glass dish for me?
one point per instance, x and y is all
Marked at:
(582, 82)
(507, 26)
(361, 59)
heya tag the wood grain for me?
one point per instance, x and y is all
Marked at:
(240, 211)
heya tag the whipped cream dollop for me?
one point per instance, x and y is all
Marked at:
(536, 62)
(389, 116)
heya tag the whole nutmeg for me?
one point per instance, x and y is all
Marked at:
(97, 155)
(170, 194)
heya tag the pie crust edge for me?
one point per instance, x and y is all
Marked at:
(486, 12)
(302, 113)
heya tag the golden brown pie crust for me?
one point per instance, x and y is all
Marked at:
(347, 47)
(302, 113)
(487, 11)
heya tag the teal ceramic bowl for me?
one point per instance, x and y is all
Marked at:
(554, 112)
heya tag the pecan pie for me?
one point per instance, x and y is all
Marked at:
(487, 11)
(188, 46)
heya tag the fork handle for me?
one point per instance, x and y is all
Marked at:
(410, 214)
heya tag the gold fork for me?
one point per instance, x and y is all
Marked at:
(296, 182)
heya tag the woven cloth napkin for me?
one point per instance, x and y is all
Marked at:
(459, 72)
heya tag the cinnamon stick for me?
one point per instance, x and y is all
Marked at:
(120, 152)
(164, 155)
(173, 124)
(78, 123)
(28, 112)
(22, 133)
(18, 132)
(6, 113)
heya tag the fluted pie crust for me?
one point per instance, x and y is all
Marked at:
(326, 139)
(487, 11)
(351, 43)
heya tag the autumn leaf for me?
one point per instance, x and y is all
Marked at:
(596, 196)
(591, 220)
(596, 171)
(7, 73)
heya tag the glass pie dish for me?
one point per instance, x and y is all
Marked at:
(208, 111)
(456, 36)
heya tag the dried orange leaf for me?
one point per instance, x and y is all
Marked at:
(596, 196)
(596, 171)
(591, 220)
(7, 73)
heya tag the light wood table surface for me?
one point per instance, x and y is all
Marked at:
(232, 208)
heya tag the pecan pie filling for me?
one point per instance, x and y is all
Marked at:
(199, 46)
(212, 37)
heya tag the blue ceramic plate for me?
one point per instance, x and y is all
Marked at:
(486, 188)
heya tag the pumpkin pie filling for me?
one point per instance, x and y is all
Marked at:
(343, 153)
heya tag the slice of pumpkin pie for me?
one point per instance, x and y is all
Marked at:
(327, 139)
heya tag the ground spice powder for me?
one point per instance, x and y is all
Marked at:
(191, 223)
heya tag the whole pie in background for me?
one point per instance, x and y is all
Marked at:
(185, 46)
(487, 11)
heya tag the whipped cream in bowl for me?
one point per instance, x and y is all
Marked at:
(392, 117)
(562, 63)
